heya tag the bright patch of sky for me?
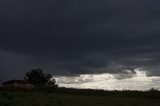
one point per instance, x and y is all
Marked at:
(132, 81)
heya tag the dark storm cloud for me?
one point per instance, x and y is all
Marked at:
(73, 37)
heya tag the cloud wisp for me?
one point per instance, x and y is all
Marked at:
(135, 81)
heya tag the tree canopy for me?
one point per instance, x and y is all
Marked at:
(38, 78)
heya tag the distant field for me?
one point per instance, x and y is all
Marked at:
(51, 99)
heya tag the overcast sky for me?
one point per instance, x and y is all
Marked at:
(137, 81)
(76, 37)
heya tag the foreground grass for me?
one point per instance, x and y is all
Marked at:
(55, 99)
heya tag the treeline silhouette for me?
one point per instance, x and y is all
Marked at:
(153, 93)
(42, 83)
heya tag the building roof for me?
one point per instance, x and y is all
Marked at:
(16, 81)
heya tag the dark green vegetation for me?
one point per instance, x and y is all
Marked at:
(71, 97)
(39, 79)
(46, 93)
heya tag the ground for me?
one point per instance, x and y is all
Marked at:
(52, 99)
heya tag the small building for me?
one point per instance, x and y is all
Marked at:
(17, 84)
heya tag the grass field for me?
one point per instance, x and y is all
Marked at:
(56, 99)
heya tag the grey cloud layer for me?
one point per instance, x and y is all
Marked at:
(81, 36)
(136, 81)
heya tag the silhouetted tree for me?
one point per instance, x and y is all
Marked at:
(52, 83)
(38, 78)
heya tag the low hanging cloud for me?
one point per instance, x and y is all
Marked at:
(134, 81)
